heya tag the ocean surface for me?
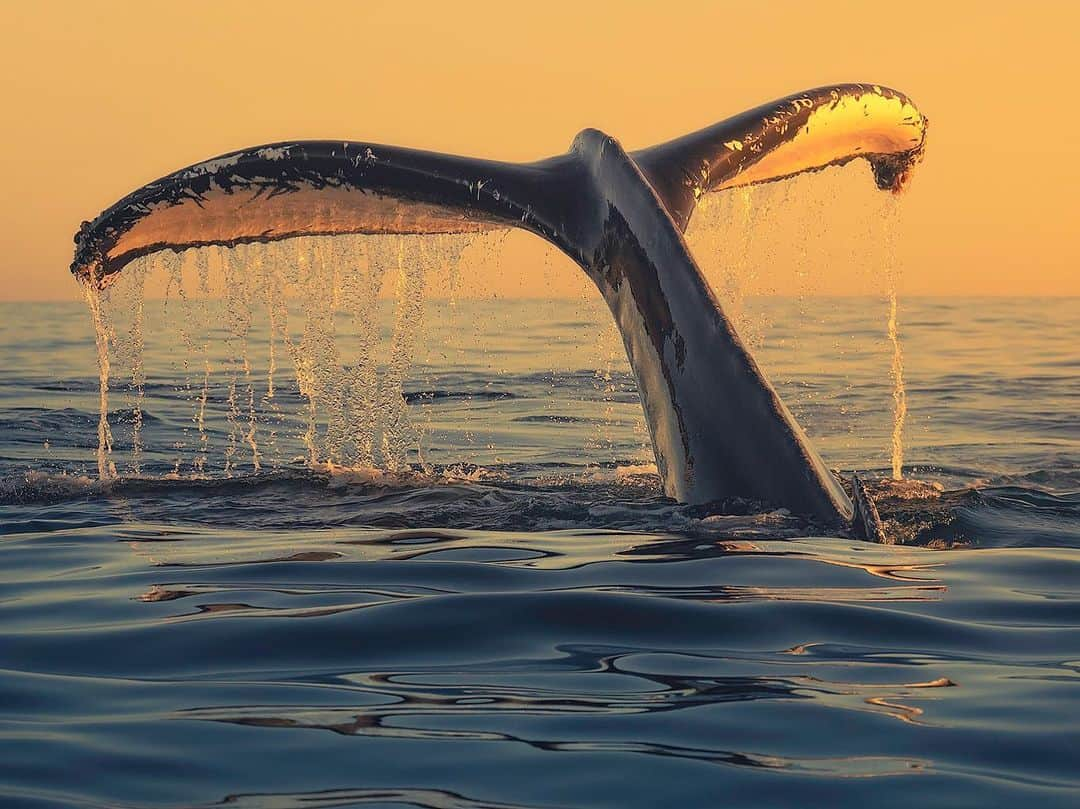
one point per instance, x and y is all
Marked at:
(506, 612)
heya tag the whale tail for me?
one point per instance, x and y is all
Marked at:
(719, 430)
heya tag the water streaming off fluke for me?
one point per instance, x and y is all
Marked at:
(299, 321)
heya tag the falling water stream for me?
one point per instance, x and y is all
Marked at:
(316, 301)
(896, 372)
(106, 468)
(896, 369)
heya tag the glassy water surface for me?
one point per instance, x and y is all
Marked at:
(514, 616)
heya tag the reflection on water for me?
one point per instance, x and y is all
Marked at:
(423, 798)
(408, 706)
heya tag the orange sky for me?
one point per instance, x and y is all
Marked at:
(102, 97)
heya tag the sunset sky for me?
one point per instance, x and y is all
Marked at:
(103, 97)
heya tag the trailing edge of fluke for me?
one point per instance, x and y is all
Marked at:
(719, 430)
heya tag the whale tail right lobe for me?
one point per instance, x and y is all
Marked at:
(808, 131)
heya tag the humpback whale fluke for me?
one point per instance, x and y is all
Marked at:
(719, 429)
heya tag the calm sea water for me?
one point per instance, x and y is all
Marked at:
(525, 621)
